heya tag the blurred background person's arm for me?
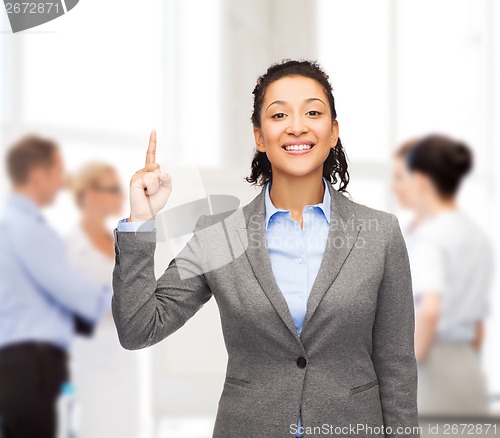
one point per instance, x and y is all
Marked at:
(479, 335)
(426, 323)
(43, 255)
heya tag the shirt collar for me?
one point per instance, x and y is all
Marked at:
(325, 205)
(26, 204)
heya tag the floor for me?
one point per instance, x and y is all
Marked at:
(186, 427)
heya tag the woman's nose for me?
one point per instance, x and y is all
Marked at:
(297, 126)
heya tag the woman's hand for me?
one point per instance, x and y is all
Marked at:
(149, 187)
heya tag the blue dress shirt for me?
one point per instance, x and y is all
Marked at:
(295, 253)
(40, 291)
(126, 226)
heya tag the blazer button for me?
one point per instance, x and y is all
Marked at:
(301, 362)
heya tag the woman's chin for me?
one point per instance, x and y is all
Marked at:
(299, 169)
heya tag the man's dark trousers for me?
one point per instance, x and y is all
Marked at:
(31, 375)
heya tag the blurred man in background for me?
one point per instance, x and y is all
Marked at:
(40, 294)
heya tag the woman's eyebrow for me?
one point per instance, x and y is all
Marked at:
(282, 102)
(276, 102)
(312, 99)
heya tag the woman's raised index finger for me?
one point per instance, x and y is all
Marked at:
(151, 154)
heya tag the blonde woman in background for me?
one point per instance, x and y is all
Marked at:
(105, 375)
(451, 261)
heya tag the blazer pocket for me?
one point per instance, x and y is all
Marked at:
(239, 382)
(363, 387)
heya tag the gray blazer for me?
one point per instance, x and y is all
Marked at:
(353, 366)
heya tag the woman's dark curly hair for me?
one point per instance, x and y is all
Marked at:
(335, 166)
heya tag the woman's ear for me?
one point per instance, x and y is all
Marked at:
(335, 134)
(421, 182)
(259, 139)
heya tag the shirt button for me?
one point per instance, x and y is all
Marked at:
(300, 260)
(301, 362)
(301, 295)
(310, 207)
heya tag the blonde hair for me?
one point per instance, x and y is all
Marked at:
(87, 178)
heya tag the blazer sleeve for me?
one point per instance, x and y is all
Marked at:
(147, 310)
(393, 352)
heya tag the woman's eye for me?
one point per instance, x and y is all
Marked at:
(314, 113)
(278, 116)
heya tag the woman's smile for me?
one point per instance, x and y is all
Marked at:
(300, 147)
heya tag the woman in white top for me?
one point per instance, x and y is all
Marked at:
(105, 375)
(451, 261)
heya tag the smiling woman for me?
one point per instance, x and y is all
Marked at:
(318, 334)
(314, 101)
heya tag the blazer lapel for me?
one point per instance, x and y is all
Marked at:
(341, 237)
(252, 233)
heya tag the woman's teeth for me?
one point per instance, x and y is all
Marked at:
(298, 147)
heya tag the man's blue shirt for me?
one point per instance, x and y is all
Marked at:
(40, 290)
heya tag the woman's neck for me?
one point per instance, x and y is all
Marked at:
(93, 223)
(435, 207)
(294, 193)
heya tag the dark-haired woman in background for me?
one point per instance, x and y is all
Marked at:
(313, 289)
(452, 266)
(401, 186)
